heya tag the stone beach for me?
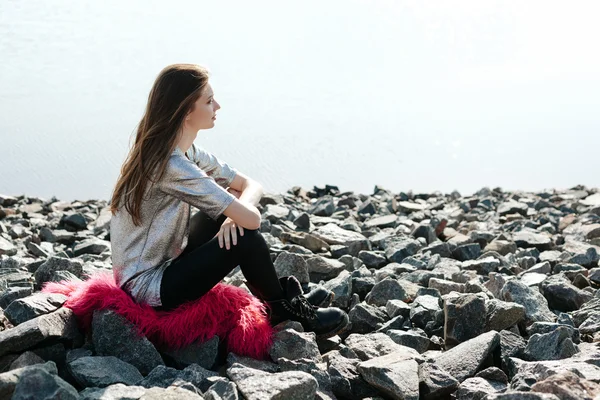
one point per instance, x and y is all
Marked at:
(491, 296)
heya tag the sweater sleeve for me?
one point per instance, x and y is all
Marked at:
(184, 180)
(219, 170)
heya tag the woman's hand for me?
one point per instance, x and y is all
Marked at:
(234, 192)
(227, 233)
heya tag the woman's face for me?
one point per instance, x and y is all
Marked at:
(205, 108)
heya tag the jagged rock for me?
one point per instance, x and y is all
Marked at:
(257, 384)
(103, 371)
(59, 325)
(294, 345)
(113, 335)
(464, 360)
(30, 307)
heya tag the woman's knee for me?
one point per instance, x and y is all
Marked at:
(251, 238)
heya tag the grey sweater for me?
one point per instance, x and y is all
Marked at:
(140, 254)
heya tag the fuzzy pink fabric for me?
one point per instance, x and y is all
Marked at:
(230, 312)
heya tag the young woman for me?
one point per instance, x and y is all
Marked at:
(163, 257)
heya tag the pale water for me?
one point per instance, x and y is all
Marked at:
(351, 93)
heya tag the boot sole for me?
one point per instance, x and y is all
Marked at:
(339, 329)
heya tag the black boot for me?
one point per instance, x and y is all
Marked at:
(318, 296)
(324, 322)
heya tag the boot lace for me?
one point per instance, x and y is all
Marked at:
(303, 308)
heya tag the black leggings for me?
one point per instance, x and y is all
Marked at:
(203, 264)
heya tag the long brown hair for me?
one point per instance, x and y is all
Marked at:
(172, 96)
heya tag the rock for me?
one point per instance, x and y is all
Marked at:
(434, 382)
(464, 360)
(531, 238)
(512, 207)
(255, 384)
(118, 391)
(551, 346)
(502, 315)
(113, 335)
(53, 264)
(91, 246)
(478, 388)
(341, 286)
(103, 371)
(346, 381)
(287, 264)
(536, 306)
(562, 295)
(222, 391)
(372, 259)
(366, 318)
(427, 314)
(294, 345)
(30, 307)
(397, 248)
(321, 268)
(469, 251)
(373, 345)
(387, 289)
(10, 379)
(568, 385)
(40, 384)
(60, 324)
(201, 353)
(26, 359)
(464, 319)
(394, 375)
(483, 266)
(418, 341)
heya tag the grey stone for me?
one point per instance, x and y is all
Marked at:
(222, 391)
(9, 380)
(366, 318)
(118, 391)
(479, 388)
(551, 346)
(562, 295)
(373, 345)
(502, 314)
(387, 289)
(53, 264)
(427, 314)
(294, 345)
(40, 384)
(113, 335)
(395, 376)
(103, 371)
(466, 359)
(323, 268)
(397, 248)
(250, 362)
(434, 382)
(536, 306)
(346, 381)
(341, 286)
(201, 353)
(60, 324)
(255, 384)
(30, 307)
(26, 359)
(287, 264)
(418, 341)
(464, 319)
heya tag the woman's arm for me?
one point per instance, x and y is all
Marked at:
(250, 191)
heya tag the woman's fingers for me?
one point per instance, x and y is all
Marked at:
(233, 235)
(220, 236)
(241, 230)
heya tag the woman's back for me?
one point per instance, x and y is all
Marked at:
(141, 253)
